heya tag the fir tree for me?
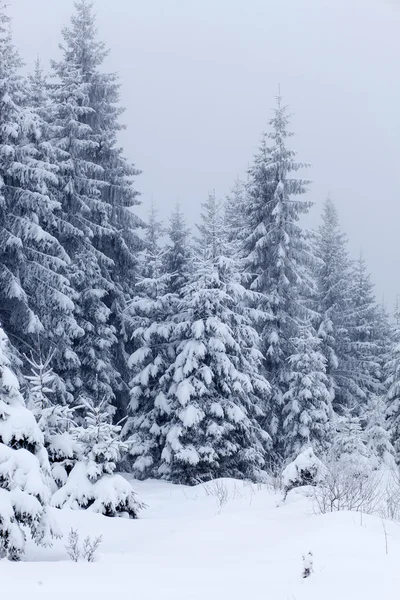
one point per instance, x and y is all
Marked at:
(34, 291)
(276, 253)
(393, 394)
(113, 223)
(362, 318)
(178, 252)
(377, 436)
(55, 420)
(56, 305)
(334, 292)
(234, 213)
(93, 484)
(149, 320)
(308, 403)
(206, 414)
(80, 192)
(24, 468)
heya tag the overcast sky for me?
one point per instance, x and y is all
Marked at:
(198, 82)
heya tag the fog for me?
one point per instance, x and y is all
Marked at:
(198, 82)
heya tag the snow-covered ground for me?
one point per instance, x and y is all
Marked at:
(186, 546)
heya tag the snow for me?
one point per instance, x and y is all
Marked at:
(306, 464)
(187, 546)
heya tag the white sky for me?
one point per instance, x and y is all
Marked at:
(199, 79)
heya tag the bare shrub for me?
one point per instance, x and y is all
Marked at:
(274, 469)
(88, 550)
(390, 506)
(219, 490)
(90, 547)
(72, 547)
(347, 488)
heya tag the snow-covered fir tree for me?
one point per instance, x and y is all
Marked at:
(307, 409)
(24, 468)
(205, 421)
(93, 483)
(234, 214)
(151, 258)
(55, 420)
(80, 193)
(364, 335)
(349, 326)
(35, 300)
(178, 255)
(113, 223)
(334, 292)
(392, 382)
(56, 304)
(376, 434)
(349, 441)
(277, 253)
(149, 320)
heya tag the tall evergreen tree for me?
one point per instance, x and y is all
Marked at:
(35, 295)
(235, 212)
(56, 306)
(277, 253)
(149, 325)
(334, 291)
(308, 403)
(178, 252)
(205, 420)
(393, 393)
(96, 193)
(364, 333)
(350, 318)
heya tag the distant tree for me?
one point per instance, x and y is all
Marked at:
(307, 407)
(178, 252)
(277, 254)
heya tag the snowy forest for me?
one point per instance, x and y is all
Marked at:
(186, 354)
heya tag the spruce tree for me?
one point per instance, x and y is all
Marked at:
(207, 413)
(277, 253)
(393, 393)
(377, 436)
(307, 407)
(150, 327)
(55, 420)
(363, 326)
(178, 252)
(113, 223)
(334, 300)
(56, 306)
(35, 293)
(81, 192)
(24, 468)
(93, 483)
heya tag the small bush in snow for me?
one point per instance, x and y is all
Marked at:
(72, 547)
(390, 506)
(346, 486)
(88, 549)
(306, 469)
(219, 490)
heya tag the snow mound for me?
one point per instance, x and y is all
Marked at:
(306, 469)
